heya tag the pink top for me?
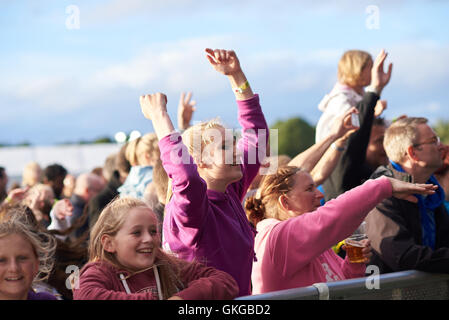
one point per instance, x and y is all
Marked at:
(296, 252)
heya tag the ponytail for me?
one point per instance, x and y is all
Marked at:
(255, 210)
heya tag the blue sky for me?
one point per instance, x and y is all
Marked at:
(59, 84)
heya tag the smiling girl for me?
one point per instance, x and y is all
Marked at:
(126, 262)
(204, 218)
(26, 255)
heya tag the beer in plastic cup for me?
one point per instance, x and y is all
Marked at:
(354, 248)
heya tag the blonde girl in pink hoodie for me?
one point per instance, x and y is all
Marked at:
(295, 234)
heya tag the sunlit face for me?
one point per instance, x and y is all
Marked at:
(428, 149)
(222, 157)
(375, 152)
(304, 197)
(18, 267)
(136, 243)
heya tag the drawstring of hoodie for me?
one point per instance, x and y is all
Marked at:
(156, 276)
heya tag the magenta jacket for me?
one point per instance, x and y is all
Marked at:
(296, 252)
(207, 225)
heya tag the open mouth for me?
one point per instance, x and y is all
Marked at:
(14, 278)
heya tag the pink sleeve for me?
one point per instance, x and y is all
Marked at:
(189, 201)
(207, 283)
(296, 241)
(254, 130)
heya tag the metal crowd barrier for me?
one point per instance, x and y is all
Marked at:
(404, 285)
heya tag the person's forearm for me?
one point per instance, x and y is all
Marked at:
(308, 159)
(162, 125)
(326, 165)
(237, 80)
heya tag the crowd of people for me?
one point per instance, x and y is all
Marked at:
(203, 212)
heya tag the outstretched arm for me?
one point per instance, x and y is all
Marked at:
(341, 131)
(327, 163)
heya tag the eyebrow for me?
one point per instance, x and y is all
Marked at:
(136, 226)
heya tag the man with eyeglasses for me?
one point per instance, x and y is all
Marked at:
(410, 235)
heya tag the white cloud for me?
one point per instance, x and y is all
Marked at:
(420, 65)
(66, 83)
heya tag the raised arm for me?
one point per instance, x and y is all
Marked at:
(154, 108)
(341, 131)
(186, 107)
(227, 63)
(250, 116)
(190, 205)
(327, 163)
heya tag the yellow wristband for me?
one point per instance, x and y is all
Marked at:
(242, 88)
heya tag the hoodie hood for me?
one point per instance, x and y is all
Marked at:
(339, 89)
(136, 182)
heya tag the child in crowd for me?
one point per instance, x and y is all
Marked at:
(142, 153)
(204, 218)
(354, 74)
(26, 255)
(126, 262)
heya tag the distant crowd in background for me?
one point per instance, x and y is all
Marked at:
(189, 212)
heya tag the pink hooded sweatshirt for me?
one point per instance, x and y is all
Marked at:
(211, 226)
(297, 252)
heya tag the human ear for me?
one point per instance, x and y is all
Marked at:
(108, 243)
(411, 153)
(283, 202)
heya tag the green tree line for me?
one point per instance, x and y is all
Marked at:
(296, 135)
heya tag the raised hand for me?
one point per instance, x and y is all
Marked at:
(224, 61)
(405, 190)
(343, 126)
(379, 79)
(366, 251)
(18, 194)
(62, 209)
(153, 105)
(185, 110)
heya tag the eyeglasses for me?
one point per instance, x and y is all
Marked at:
(434, 140)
